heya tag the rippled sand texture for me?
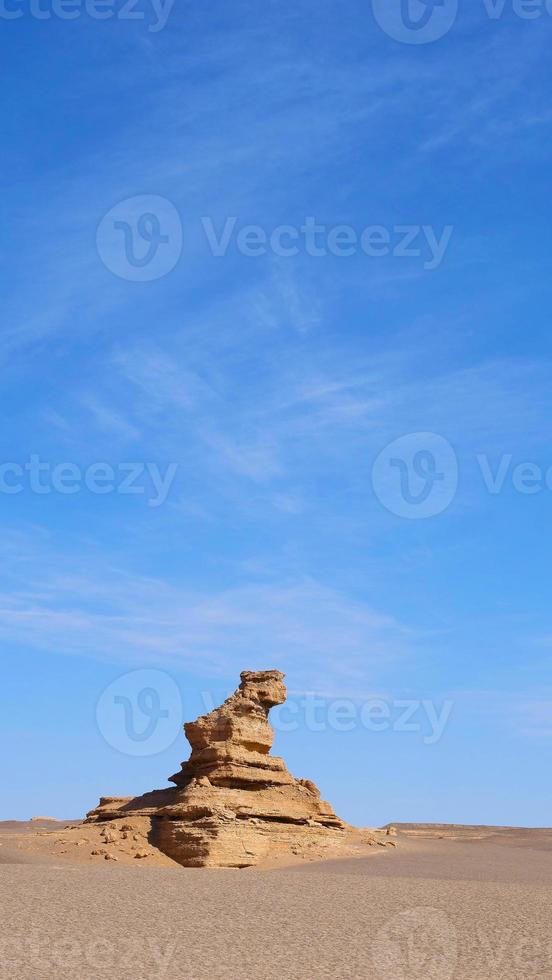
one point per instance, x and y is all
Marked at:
(446, 903)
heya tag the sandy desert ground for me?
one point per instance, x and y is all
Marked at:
(448, 902)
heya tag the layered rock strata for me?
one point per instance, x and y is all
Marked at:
(234, 804)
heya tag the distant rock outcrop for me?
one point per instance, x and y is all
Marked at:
(234, 804)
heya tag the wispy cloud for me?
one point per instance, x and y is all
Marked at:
(109, 420)
(102, 612)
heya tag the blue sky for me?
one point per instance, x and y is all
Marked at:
(271, 384)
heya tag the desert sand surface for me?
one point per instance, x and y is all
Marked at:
(464, 903)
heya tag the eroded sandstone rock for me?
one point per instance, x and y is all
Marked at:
(234, 804)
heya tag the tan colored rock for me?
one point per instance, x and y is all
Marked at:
(109, 837)
(233, 804)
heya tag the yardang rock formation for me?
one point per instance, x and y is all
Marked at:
(234, 804)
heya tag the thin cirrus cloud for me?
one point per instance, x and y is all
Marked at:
(72, 292)
(489, 406)
(108, 614)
